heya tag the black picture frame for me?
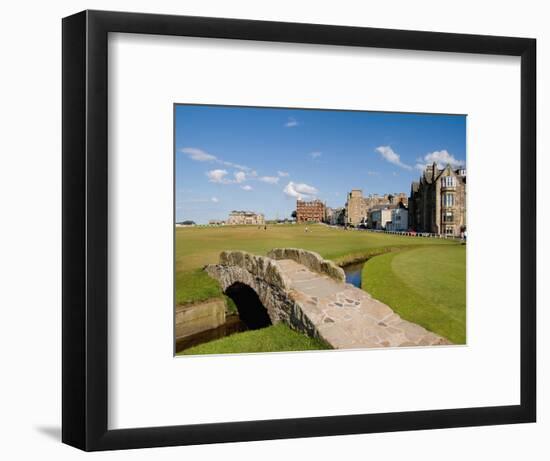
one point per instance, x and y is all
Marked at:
(85, 223)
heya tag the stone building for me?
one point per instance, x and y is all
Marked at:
(437, 203)
(396, 198)
(245, 217)
(358, 207)
(379, 217)
(399, 219)
(392, 217)
(335, 216)
(313, 211)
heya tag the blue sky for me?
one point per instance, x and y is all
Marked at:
(263, 159)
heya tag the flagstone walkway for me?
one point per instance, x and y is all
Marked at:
(348, 317)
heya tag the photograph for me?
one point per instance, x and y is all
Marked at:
(316, 229)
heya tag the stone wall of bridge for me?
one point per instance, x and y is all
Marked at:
(264, 276)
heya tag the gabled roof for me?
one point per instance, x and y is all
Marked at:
(447, 168)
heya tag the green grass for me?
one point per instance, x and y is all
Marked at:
(199, 246)
(194, 286)
(407, 269)
(231, 306)
(276, 338)
(423, 285)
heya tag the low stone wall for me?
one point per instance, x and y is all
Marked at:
(195, 318)
(313, 261)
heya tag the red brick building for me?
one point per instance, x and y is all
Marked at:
(313, 211)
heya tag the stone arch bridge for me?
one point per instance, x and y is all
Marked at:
(309, 294)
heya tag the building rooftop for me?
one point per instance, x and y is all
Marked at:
(244, 212)
(309, 201)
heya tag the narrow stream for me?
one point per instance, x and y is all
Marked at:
(233, 324)
(353, 273)
(251, 315)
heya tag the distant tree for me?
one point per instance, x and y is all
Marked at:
(294, 214)
(188, 223)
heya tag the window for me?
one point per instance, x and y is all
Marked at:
(448, 200)
(448, 181)
(448, 216)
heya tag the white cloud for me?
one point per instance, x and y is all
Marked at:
(198, 154)
(269, 179)
(291, 122)
(236, 165)
(217, 176)
(373, 173)
(240, 176)
(389, 155)
(443, 158)
(247, 187)
(198, 200)
(282, 174)
(300, 190)
(315, 154)
(220, 176)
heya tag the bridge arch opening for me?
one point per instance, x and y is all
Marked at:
(251, 310)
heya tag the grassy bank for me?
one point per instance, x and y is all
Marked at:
(196, 247)
(423, 285)
(276, 338)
